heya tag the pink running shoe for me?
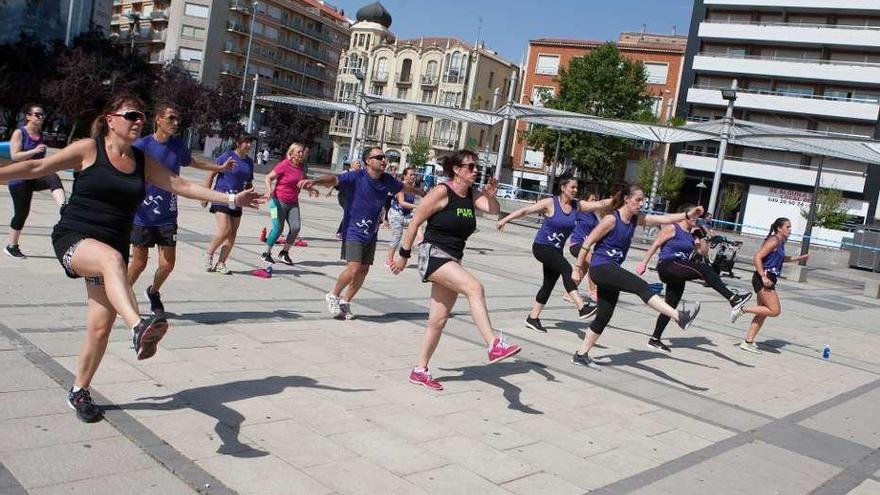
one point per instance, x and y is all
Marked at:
(424, 377)
(299, 242)
(502, 350)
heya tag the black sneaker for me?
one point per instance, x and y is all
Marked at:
(739, 300)
(285, 258)
(267, 258)
(584, 360)
(688, 314)
(156, 306)
(13, 251)
(587, 311)
(535, 324)
(656, 344)
(86, 410)
(145, 336)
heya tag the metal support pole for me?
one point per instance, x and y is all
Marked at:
(552, 178)
(505, 129)
(69, 22)
(354, 125)
(250, 126)
(247, 57)
(811, 217)
(722, 150)
(382, 132)
(489, 128)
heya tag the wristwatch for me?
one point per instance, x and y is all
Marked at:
(231, 199)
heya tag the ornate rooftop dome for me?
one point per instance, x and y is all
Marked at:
(374, 12)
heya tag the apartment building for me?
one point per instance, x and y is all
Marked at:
(437, 70)
(804, 64)
(295, 44)
(662, 54)
(48, 21)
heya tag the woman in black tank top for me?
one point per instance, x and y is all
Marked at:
(92, 238)
(450, 210)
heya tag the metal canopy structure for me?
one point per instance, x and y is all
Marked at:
(742, 132)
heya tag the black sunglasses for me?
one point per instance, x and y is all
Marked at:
(376, 157)
(471, 166)
(131, 115)
(38, 115)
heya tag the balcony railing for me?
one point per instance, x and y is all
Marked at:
(788, 59)
(794, 25)
(430, 79)
(380, 77)
(394, 137)
(791, 94)
(453, 78)
(776, 163)
(340, 129)
(159, 16)
(445, 140)
(405, 78)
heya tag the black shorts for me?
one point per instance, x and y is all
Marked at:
(225, 209)
(358, 251)
(64, 242)
(757, 284)
(157, 235)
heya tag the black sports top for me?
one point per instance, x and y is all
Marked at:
(450, 227)
(104, 199)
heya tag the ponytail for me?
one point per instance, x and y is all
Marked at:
(622, 193)
(776, 225)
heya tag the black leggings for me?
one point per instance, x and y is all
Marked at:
(611, 280)
(554, 265)
(674, 273)
(23, 192)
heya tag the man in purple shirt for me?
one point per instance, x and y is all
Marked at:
(155, 221)
(365, 191)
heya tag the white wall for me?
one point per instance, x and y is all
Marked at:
(766, 204)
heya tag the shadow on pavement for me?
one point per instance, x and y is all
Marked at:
(215, 317)
(773, 345)
(494, 375)
(697, 343)
(211, 400)
(396, 316)
(634, 358)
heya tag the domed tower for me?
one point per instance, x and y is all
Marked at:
(371, 28)
(374, 13)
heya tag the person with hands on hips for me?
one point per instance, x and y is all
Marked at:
(768, 267)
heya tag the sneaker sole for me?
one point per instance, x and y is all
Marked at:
(533, 327)
(416, 382)
(590, 314)
(22, 257)
(85, 420)
(753, 351)
(150, 340)
(659, 349)
(691, 321)
(502, 358)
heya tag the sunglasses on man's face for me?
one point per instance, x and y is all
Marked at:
(377, 157)
(131, 115)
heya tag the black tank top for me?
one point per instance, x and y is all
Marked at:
(450, 227)
(104, 199)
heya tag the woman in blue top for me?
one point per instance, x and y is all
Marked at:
(559, 214)
(400, 214)
(676, 243)
(612, 238)
(233, 181)
(584, 224)
(768, 266)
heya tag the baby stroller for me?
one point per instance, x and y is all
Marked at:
(725, 254)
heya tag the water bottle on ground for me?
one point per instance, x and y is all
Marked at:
(826, 353)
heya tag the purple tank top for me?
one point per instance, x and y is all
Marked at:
(613, 247)
(584, 224)
(28, 143)
(773, 261)
(679, 247)
(556, 229)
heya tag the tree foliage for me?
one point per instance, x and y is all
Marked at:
(288, 124)
(831, 212)
(23, 66)
(669, 182)
(605, 84)
(419, 152)
(731, 196)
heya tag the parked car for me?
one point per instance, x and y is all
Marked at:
(506, 191)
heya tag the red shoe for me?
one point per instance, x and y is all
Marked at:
(423, 377)
(300, 243)
(502, 350)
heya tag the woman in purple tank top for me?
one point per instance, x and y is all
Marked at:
(612, 238)
(559, 218)
(26, 143)
(677, 243)
(768, 266)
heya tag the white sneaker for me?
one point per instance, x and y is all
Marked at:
(333, 305)
(750, 347)
(222, 270)
(345, 307)
(209, 262)
(735, 313)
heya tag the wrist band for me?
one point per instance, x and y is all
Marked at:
(404, 253)
(686, 217)
(230, 197)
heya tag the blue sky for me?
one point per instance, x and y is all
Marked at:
(509, 24)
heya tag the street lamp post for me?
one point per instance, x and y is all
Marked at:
(69, 22)
(505, 129)
(134, 22)
(701, 186)
(811, 217)
(730, 96)
(489, 128)
(247, 56)
(250, 124)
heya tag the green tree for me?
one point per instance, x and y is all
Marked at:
(604, 84)
(669, 182)
(830, 209)
(419, 152)
(289, 124)
(24, 65)
(731, 197)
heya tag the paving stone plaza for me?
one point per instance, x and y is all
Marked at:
(255, 390)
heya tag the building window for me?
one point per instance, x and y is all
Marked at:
(456, 64)
(547, 65)
(540, 94)
(450, 98)
(381, 70)
(195, 10)
(656, 105)
(377, 89)
(427, 96)
(482, 137)
(192, 32)
(402, 93)
(491, 78)
(657, 72)
(191, 55)
(422, 129)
